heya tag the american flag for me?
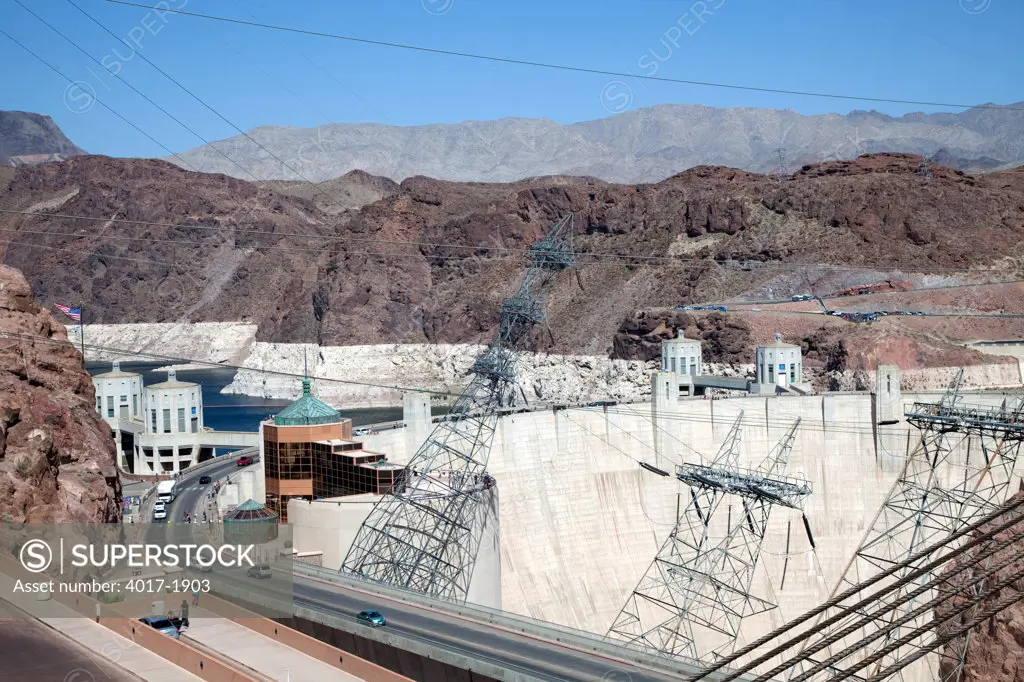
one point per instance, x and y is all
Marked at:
(74, 313)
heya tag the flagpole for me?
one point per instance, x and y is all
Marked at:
(81, 329)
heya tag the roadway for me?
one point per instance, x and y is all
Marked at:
(441, 631)
(29, 650)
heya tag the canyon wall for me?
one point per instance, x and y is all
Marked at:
(56, 454)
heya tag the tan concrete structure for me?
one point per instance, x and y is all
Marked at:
(581, 521)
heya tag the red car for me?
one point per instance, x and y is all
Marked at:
(244, 461)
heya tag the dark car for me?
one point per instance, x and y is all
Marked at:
(203, 480)
(244, 461)
(371, 618)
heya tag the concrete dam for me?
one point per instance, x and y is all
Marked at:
(581, 521)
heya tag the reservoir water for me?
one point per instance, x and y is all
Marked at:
(228, 412)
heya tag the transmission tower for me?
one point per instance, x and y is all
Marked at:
(424, 535)
(694, 595)
(924, 168)
(959, 472)
(780, 171)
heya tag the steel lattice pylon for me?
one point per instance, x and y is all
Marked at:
(425, 534)
(692, 598)
(960, 471)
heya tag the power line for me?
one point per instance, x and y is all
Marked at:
(202, 102)
(97, 100)
(205, 363)
(130, 86)
(437, 245)
(562, 67)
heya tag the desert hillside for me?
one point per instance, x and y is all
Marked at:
(430, 260)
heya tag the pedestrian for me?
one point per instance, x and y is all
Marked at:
(184, 613)
(195, 596)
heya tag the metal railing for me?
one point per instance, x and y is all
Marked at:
(578, 639)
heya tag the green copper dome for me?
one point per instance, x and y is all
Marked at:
(307, 411)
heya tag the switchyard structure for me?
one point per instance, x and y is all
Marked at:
(425, 534)
(959, 472)
(691, 600)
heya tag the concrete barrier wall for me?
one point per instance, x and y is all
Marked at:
(180, 654)
(404, 658)
(321, 651)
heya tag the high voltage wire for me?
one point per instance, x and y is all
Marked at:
(782, 422)
(202, 102)
(130, 86)
(439, 245)
(205, 363)
(97, 100)
(560, 67)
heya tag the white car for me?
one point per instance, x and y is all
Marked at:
(159, 506)
(159, 514)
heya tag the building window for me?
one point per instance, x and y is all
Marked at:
(771, 374)
(792, 373)
(167, 420)
(673, 364)
(153, 423)
(195, 425)
(99, 403)
(888, 384)
(110, 406)
(181, 420)
(693, 368)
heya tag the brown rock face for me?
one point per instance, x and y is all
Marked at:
(433, 260)
(639, 336)
(995, 652)
(57, 459)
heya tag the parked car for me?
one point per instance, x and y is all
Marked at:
(372, 618)
(163, 624)
(259, 571)
(244, 461)
(204, 480)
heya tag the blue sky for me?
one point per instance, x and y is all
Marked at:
(958, 51)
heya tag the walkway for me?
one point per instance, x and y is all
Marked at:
(256, 652)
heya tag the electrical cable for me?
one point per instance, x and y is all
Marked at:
(98, 101)
(204, 103)
(867, 619)
(876, 578)
(562, 67)
(1004, 603)
(438, 245)
(179, 360)
(130, 86)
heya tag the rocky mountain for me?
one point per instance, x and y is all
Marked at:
(56, 454)
(644, 145)
(432, 260)
(27, 138)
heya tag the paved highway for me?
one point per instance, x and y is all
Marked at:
(439, 630)
(29, 650)
(470, 638)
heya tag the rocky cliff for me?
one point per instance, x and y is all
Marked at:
(431, 261)
(57, 460)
